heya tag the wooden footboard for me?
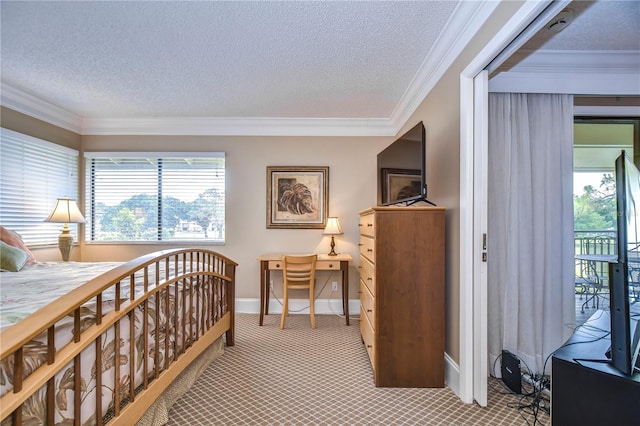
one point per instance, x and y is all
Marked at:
(153, 316)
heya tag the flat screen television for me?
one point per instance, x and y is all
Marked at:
(625, 323)
(402, 171)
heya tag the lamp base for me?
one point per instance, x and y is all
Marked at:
(65, 243)
(333, 246)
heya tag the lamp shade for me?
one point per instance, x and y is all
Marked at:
(333, 227)
(65, 211)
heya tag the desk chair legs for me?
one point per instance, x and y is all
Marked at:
(285, 310)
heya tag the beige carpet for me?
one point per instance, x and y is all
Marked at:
(301, 376)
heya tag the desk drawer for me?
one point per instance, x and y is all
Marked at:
(367, 225)
(367, 302)
(276, 264)
(367, 275)
(368, 247)
(327, 265)
(368, 337)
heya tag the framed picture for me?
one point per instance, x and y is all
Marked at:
(297, 197)
(398, 184)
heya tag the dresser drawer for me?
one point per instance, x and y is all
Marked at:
(367, 302)
(368, 248)
(367, 225)
(367, 274)
(368, 337)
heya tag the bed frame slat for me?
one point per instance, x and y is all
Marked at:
(98, 366)
(204, 277)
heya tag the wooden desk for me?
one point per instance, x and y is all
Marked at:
(269, 262)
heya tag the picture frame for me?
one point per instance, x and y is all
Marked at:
(395, 183)
(297, 197)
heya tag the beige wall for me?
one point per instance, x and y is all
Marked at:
(352, 187)
(18, 122)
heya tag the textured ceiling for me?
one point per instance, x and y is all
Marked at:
(259, 59)
(223, 59)
(596, 25)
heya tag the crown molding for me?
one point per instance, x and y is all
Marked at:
(239, 126)
(563, 61)
(607, 111)
(575, 72)
(464, 23)
(36, 107)
(33, 106)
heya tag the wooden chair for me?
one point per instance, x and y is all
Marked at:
(299, 273)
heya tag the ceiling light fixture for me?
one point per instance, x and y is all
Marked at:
(560, 21)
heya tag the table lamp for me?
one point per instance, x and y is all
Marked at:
(332, 228)
(66, 211)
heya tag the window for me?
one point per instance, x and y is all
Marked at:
(155, 197)
(597, 144)
(34, 174)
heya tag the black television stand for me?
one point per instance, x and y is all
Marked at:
(410, 202)
(585, 388)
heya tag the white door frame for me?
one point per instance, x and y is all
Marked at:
(472, 213)
(480, 185)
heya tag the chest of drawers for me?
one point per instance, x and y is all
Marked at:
(402, 294)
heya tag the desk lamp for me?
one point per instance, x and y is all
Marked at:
(66, 211)
(332, 228)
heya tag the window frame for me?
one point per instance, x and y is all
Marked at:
(88, 156)
(57, 176)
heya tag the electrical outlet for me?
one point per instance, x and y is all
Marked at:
(271, 285)
(334, 286)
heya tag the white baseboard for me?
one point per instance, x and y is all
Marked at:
(452, 374)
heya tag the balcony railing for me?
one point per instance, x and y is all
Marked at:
(596, 242)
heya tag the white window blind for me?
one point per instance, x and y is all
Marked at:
(34, 173)
(158, 197)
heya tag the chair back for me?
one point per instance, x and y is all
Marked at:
(299, 273)
(299, 270)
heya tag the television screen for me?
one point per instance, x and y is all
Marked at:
(401, 169)
(624, 303)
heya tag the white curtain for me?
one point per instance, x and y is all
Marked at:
(530, 226)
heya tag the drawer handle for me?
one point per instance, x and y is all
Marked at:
(369, 250)
(369, 346)
(369, 279)
(369, 224)
(369, 310)
(277, 265)
(331, 265)
(360, 245)
(359, 224)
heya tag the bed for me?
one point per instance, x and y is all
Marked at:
(104, 350)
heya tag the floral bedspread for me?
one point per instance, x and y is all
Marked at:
(22, 293)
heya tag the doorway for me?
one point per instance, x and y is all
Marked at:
(597, 143)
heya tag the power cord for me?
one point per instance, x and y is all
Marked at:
(533, 401)
(315, 297)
